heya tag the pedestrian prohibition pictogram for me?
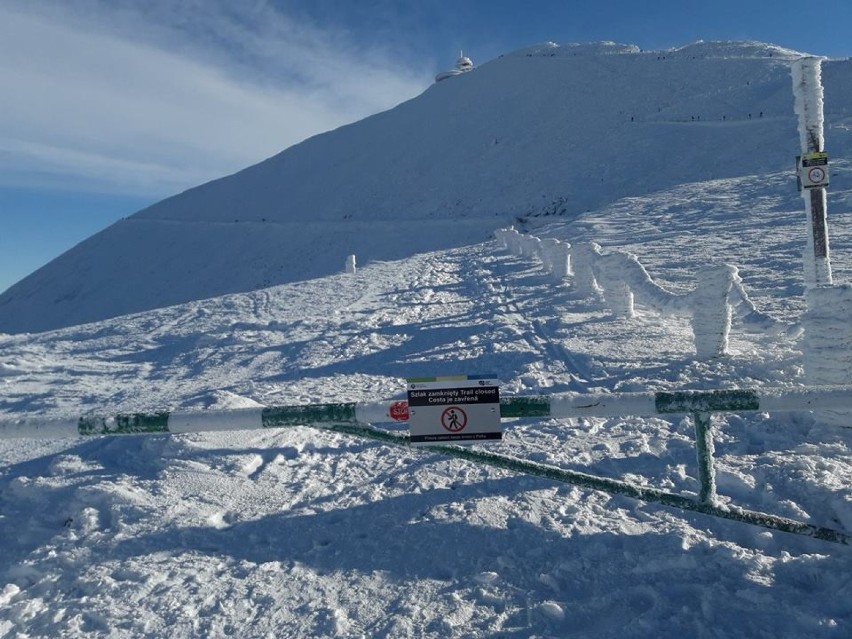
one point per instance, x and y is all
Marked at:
(454, 419)
(458, 409)
(816, 174)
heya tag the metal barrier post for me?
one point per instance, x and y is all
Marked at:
(704, 449)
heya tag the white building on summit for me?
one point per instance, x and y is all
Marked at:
(463, 65)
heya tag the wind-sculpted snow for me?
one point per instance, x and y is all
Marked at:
(561, 132)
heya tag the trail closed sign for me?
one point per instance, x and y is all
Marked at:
(459, 409)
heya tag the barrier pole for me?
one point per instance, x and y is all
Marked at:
(704, 449)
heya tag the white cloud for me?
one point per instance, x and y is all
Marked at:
(103, 97)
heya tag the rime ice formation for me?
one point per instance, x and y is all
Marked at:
(809, 107)
(620, 279)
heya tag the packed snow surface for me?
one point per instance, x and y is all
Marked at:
(299, 532)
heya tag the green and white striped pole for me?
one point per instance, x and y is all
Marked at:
(562, 405)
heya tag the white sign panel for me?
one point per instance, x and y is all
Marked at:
(460, 409)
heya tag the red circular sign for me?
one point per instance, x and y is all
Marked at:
(453, 419)
(399, 411)
(816, 174)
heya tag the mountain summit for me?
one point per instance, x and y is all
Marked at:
(547, 130)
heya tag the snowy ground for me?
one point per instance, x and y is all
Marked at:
(297, 532)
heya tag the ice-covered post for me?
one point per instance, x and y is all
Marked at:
(350, 264)
(711, 310)
(555, 258)
(560, 261)
(617, 294)
(511, 240)
(548, 245)
(504, 237)
(808, 94)
(531, 246)
(583, 257)
(704, 449)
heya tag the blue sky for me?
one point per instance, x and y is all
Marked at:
(111, 105)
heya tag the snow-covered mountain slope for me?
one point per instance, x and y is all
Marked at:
(546, 130)
(301, 533)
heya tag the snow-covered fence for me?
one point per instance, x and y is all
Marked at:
(357, 419)
(621, 280)
(555, 255)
